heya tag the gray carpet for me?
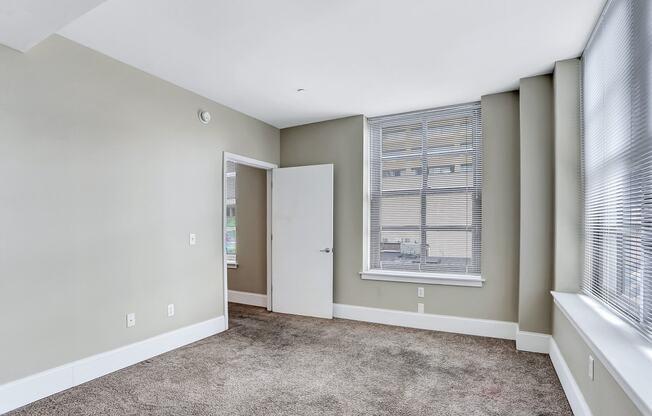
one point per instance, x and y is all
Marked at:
(273, 364)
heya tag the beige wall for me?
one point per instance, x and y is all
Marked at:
(338, 142)
(537, 204)
(603, 394)
(251, 214)
(568, 205)
(501, 202)
(341, 142)
(104, 171)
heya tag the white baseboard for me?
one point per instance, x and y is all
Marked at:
(532, 342)
(445, 323)
(568, 383)
(29, 389)
(248, 298)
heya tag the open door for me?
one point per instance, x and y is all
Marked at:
(302, 240)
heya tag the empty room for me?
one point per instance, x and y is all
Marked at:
(326, 207)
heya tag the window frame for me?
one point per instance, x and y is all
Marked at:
(232, 259)
(368, 273)
(630, 274)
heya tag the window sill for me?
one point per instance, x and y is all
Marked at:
(425, 278)
(231, 265)
(625, 353)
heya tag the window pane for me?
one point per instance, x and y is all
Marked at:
(230, 187)
(449, 209)
(449, 134)
(449, 250)
(446, 171)
(230, 241)
(401, 140)
(399, 211)
(400, 250)
(401, 174)
(230, 216)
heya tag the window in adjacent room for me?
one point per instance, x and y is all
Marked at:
(425, 192)
(617, 163)
(231, 218)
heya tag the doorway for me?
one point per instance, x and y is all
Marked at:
(247, 220)
(298, 256)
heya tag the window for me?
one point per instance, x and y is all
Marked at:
(435, 170)
(231, 218)
(617, 163)
(393, 172)
(426, 223)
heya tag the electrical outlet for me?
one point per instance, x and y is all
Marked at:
(591, 367)
(171, 309)
(420, 307)
(131, 320)
(193, 239)
(421, 292)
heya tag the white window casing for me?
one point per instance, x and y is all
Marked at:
(617, 162)
(424, 196)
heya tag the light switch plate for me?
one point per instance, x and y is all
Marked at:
(193, 239)
(171, 309)
(420, 307)
(131, 320)
(421, 292)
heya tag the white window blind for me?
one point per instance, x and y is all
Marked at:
(426, 191)
(231, 218)
(617, 162)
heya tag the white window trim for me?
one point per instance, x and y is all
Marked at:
(365, 196)
(470, 280)
(624, 352)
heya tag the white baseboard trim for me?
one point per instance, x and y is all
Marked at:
(35, 387)
(445, 323)
(533, 342)
(248, 298)
(575, 397)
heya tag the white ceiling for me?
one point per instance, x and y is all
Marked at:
(369, 57)
(24, 23)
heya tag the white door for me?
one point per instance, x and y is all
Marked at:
(302, 240)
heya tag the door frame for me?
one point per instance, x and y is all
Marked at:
(267, 166)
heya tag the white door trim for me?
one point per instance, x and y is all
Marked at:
(268, 166)
(244, 160)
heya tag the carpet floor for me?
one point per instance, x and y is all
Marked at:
(274, 364)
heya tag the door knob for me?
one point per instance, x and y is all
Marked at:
(325, 250)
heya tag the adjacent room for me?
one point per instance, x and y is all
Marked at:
(326, 207)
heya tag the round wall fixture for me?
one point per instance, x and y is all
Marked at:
(204, 116)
